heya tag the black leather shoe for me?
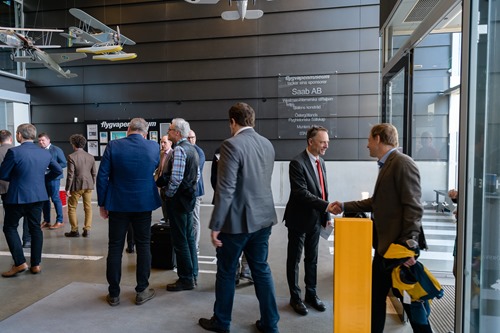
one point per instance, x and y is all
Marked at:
(258, 324)
(247, 276)
(211, 325)
(315, 302)
(180, 285)
(72, 234)
(27, 245)
(86, 233)
(299, 307)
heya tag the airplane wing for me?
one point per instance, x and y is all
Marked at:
(80, 37)
(65, 57)
(57, 57)
(96, 24)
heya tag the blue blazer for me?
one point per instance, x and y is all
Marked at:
(125, 181)
(25, 168)
(58, 156)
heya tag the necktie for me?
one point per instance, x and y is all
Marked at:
(321, 180)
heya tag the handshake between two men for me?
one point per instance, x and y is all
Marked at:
(335, 207)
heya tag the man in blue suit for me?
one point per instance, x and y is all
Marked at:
(127, 194)
(25, 168)
(53, 185)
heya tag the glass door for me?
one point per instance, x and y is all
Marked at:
(396, 96)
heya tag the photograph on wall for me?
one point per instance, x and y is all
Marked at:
(92, 147)
(117, 134)
(92, 132)
(102, 148)
(164, 129)
(103, 137)
(153, 136)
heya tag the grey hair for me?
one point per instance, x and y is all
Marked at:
(139, 124)
(27, 131)
(182, 126)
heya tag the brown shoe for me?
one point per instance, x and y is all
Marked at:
(35, 269)
(15, 269)
(56, 225)
(45, 225)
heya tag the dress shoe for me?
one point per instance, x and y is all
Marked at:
(86, 233)
(247, 276)
(56, 225)
(259, 326)
(299, 307)
(315, 302)
(27, 245)
(113, 301)
(45, 225)
(15, 269)
(130, 250)
(180, 285)
(35, 269)
(72, 234)
(211, 325)
(144, 296)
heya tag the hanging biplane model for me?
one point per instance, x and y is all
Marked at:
(24, 49)
(105, 44)
(241, 12)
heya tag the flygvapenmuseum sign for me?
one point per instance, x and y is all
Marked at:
(303, 101)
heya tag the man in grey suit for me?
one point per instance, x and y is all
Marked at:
(80, 182)
(242, 219)
(396, 213)
(305, 213)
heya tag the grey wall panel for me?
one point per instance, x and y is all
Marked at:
(194, 65)
(57, 113)
(13, 84)
(369, 105)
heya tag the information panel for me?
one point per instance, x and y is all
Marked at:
(306, 100)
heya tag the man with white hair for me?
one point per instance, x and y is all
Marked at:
(179, 181)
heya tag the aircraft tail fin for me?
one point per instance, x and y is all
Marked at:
(68, 75)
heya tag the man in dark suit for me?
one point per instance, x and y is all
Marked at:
(24, 167)
(200, 190)
(242, 219)
(396, 213)
(179, 188)
(127, 194)
(305, 213)
(53, 185)
(80, 182)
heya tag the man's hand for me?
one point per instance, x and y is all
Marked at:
(215, 241)
(103, 212)
(410, 262)
(335, 207)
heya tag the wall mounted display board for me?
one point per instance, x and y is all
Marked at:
(100, 133)
(306, 100)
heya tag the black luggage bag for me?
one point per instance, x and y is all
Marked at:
(162, 250)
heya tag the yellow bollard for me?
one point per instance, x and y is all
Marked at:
(352, 275)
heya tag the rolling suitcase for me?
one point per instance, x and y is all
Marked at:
(162, 250)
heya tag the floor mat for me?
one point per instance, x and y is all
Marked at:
(442, 316)
(81, 308)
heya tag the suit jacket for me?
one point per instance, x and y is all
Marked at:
(82, 171)
(125, 180)
(243, 196)
(58, 155)
(200, 187)
(24, 167)
(396, 207)
(4, 186)
(305, 207)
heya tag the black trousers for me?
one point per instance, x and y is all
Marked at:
(298, 241)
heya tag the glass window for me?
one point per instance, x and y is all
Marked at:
(10, 16)
(482, 219)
